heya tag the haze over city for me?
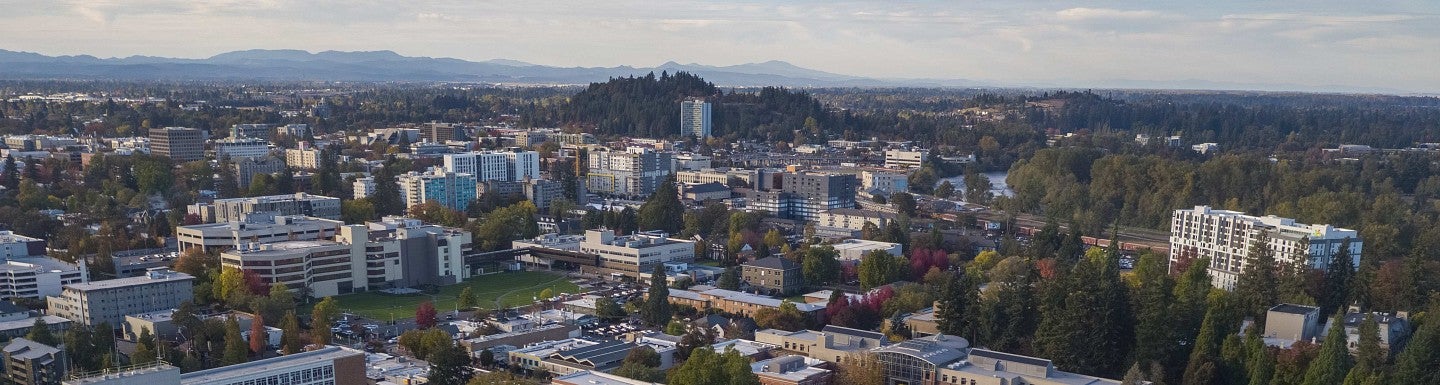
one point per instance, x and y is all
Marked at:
(1382, 46)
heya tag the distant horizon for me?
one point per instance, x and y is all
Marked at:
(1316, 44)
(1109, 84)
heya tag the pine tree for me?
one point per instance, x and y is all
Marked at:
(11, 177)
(663, 211)
(729, 279)
(466, 299)
(144, 348)
(236, 351)
(657, 301)
(448, 365)
(1333, 363)
(1339, 280)
(1206, 351)
(1256, 288)
(1155, 333)
(960, 299)
(290, 339)
(1262, 366)
(40, 332)
(1369, 355)
(1416, 364)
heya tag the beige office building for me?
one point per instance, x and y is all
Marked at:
(111, 300)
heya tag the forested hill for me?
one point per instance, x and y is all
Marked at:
(649, 106)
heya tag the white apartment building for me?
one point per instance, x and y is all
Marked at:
(884, 181)
(111, 300)
(450, 189)
(1225, 237)
(38, 276)
(14, 245)
(636, 253)
(305, 157)
(511, 165)
(692, 161)
(905, 159)
(853, 219)
(364, 187)
(240, 148)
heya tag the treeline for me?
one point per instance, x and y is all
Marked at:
(1390, 199)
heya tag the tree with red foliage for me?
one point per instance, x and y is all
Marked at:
(425, 315)
(922, 260)
(258, 336)
(254, 284)
(1182, 262)
(1048, 268)
(191, 219)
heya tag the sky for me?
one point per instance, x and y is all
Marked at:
(1365, 44)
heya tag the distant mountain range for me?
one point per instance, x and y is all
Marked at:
(388, 66)
(287, 65)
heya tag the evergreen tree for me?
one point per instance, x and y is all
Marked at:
(11, 178)
(1339, 280)
(657, 301)
(467, 298)
(144, 348)
(960, 299)
(290, 340)
(387, 198)
(449, 365)
(663, 211)
(1416, 364)
(1333, 363)
(1369, 355)
(1155, 333)
(1256, 289)
(1262, 366)
(1206, 352)
(1067, 334)
(258, 336)
(1007, 316)
(729, 279)
(40, 332)
(236, 350)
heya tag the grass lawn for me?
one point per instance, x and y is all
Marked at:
(509, 288)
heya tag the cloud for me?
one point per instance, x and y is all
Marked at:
(1082, 14)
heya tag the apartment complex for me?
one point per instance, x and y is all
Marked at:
(235, 209)
(263, 227)
(247, 168)
(725, 176)
(239, 148)
(773, 274)
(303, 157)
(110, 301)
(180, 144)
(849, 222)
(695, 119)
(330, 365)
(802, 195)
(32, 363)
(884, 182)
(1226, 237)
(508, 165)
(38, 276)
(637, 253)
(636, 171)
(449, 189)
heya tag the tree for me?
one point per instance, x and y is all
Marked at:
(449, 365)
(487, 358)
(657, 301)
(706, 367)
(1369, 355)
(1066, 334)
(11, 178)
(1256, 288)
(663, 211)
(1339, 280)
(820, 265)
(773, 239)
(1416, 364)
(729, 279)
(144, 348)
(321, 318)
(425, 315)
(879, 268)
(357, 210)
(904, 203)
(258, 335)
(945, 190)
(1155, 334)
(386, 199)
(960, 298)
(196, 262)
(498, 378)
(290, 340)
(467, 298)
(40, 333)
(1333, 363)
(642, 364)
(606, 309)
(236, 351)
(788, 317)
(230, 285)
(860, 369)
(1205, 355)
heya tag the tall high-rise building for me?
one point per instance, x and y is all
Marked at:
(1226, 238)
(695, 119)
(181, 144)
(450, 189)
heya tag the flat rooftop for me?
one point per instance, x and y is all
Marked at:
(170, 276)
(270, 365)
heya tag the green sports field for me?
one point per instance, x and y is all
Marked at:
(509, 289)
